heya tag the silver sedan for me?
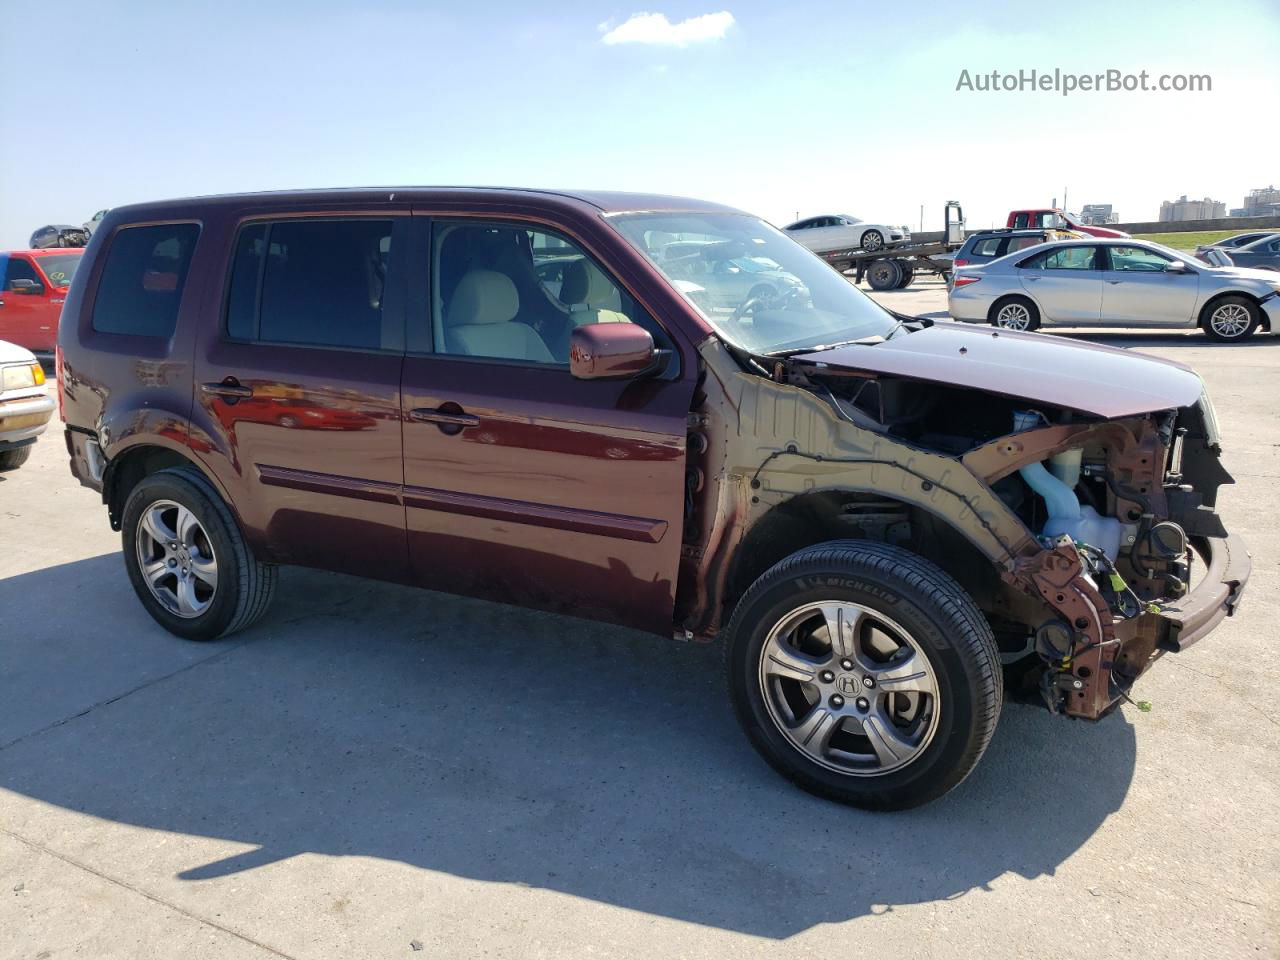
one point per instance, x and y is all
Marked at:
(1128, 283)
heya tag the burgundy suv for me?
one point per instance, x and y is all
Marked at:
(584, 403)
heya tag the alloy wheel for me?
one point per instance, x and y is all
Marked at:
(849, 688)
(872, 240)
(176, 558)
(1013, 316)
(1230, 320)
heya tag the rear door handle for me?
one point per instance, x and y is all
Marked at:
(230, 388)
(1115, 281)
(448, 418)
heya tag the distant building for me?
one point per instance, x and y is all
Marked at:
(1262, 202)
(1184, 209)
(1096, 214)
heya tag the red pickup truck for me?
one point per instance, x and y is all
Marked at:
(34, 284)
(1050, 218)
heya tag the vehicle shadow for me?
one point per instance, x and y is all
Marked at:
(501, 745)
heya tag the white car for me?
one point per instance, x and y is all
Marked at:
(843, 232)
(25, 404)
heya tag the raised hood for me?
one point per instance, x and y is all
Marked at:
(1102, 381)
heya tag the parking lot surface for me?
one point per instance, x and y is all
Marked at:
(375, 771)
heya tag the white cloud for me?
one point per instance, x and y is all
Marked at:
(655, 28)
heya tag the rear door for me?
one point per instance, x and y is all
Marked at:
(1066, 282)
(522, 483)
(1138, 288)
(297, 405)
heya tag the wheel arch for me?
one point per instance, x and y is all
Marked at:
(131, 465)
(1221, 295)
(821, 516)
(1015, 295)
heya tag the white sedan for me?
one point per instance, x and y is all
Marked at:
(843, 232)
(25, 404)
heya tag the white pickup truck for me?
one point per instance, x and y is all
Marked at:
(25, 404)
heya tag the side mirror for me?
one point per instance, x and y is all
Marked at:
(1177, 266)
(30, 287)
(610, 351)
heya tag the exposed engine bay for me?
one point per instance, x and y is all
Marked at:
(1114, 507)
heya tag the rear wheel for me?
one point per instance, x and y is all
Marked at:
(884, 274)
(1230, 319)
(13, 459)
(1015, 313)
(188, 561)
(908, 274)
(864, 674)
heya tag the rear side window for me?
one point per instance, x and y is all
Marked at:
(142, 280)
(989, 247)
(315, 282)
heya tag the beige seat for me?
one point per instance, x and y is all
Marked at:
(479, 320)
(590, 295)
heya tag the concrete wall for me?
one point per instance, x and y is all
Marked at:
(1234, 224)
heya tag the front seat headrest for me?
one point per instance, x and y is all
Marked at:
(586, 284)
(483, 296)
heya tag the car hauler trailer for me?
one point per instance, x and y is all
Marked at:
(894, 267)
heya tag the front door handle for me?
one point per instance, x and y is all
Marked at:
(1113, 282)
(229, 388)
(446, 418)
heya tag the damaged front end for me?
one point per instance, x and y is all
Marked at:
(1134, 560)
(1096, 518)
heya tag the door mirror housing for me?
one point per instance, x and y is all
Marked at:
(29, 287)
(1176, 266)
(611, 351)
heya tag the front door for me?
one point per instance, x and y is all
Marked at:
(523, 484)
(297, 406)
(26, 317)
(1139, 288)
(1066, 282)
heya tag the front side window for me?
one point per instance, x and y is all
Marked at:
(313, 282)
(143, 279)
(1138, 260)
(794, 301)
(19, 269)
(1064, 258)
(508, 292)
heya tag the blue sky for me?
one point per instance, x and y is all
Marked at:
(793, 108)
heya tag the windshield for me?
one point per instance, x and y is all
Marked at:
(757, 287)
(59, 268)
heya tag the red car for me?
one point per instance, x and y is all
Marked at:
(34, 286)
(1050, 218)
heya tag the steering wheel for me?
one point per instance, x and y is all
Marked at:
(766, 297)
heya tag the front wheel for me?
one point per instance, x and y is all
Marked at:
(872, 241)
(13, 459)
(1230, 319)
(187, 560)
(864, 674)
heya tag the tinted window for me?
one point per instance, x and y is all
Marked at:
(1063, 258)
(1020, 220)
(142, 280)
(1021, 243)
(19, 269)
(989, 247)
(318, 282)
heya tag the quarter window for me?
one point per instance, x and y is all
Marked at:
(143, 278)
(315, 282)
(988, 248)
